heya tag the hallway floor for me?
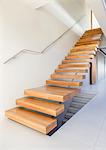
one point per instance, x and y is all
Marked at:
(85, 131)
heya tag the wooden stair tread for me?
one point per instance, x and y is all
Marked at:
(86, 47)
(87, 42)
(63, 83)
(89, 39)
(65, 76)
(91, 35)
(71, 70)
(93, 31)
(39, 122)
(83, 49)
(51, 93)
(76, 61)
(73, 65)
(80, 57)
(83, 52)
(94, 37)
(43, 106)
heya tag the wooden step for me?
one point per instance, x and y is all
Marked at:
(73, 66)
(80, 57)
(41, 105)
(88, 38)
(65, 76)
(87, 42)
(58, 94)
(85, 47)
(36, 121)
(63, 83)
(76, 61)
(83, 52)
(93, 32)
(91, 36)
(71, 70)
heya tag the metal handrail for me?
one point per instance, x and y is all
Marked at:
(45, 49)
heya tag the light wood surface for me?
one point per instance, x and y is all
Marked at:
(69, 65)
(43, 106)
(83, 52)
(87, 42)
(63, 83)
(71, 70)
(36, 121)
(85, 47)
(51, 93)
(65, 76)
(89, 38)
(93, 32)
(80, 57)
(76, 61)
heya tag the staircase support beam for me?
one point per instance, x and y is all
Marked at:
(93, 71)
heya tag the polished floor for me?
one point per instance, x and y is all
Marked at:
(85, 131)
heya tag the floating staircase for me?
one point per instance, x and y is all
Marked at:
(44, 108)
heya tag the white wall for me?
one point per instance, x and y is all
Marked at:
(24, 27)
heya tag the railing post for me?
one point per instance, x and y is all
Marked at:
(93, 71)
(91, 20)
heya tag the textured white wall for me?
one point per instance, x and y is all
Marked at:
(23, 27)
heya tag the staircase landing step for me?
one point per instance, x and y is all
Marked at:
(43, 106)
(59, 94)
(36, 121)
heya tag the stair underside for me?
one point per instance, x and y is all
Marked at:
(52, 93)
(41, 105)
(31, 119)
